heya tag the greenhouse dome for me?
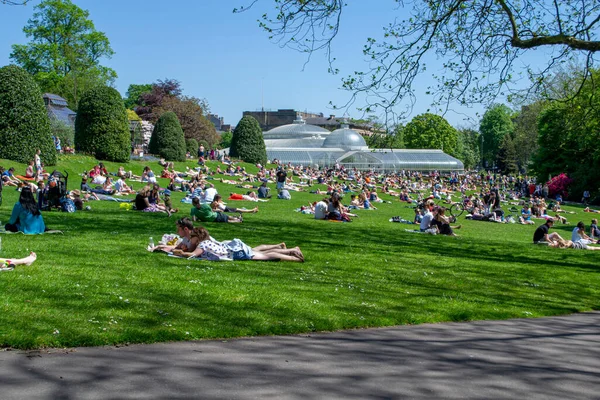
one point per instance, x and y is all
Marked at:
(298, 129)
(303, 144)
(345, 138)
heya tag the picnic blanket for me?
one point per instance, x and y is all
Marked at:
(52, 231)
(24, 178)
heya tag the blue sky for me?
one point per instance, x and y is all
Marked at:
(225, 57)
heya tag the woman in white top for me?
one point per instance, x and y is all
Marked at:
(579, 234)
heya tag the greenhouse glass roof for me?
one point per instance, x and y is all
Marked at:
(377, 160)
(58, 110)
(299, 143)
(297, 129)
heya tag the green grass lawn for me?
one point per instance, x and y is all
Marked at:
(96, 284)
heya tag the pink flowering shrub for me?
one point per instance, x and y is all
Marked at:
(559, 185)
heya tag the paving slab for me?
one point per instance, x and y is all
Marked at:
(543, 358)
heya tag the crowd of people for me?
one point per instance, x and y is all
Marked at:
(484, 195)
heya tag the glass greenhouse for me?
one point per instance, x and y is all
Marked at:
(58, 109)
(299, 143)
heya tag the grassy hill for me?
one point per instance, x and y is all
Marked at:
(96, 284)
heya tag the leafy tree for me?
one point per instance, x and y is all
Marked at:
(568, 135)
(507, 155)
(134, 95)
(101, 125)
(468, 150)
(167, 96)
(65, 50)
(526, 132)
(247, 142)
(132, 116)
(225, 140)
(495, 124)
(167, 138)
(24, 122)
(478, 42)
(191, 146)
(430, 131)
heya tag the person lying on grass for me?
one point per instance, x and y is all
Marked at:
(185, 227)
(9, 263)
(561, 243)
(218, 205)
(238, 250)
(204, 213)
(249, 196)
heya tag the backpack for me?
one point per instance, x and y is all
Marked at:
(67, 205)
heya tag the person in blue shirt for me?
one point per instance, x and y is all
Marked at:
(26, 216)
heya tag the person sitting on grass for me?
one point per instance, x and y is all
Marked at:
(218, 205)
(525, 217)
(26, 216)
(263, 191)
(321, 208)
(121, 188)
(418, 216)
(541, 235)
(594, 230)
(9, 263)
(168, 202)
(442, 222)
(30, 171)
(426, 224)
(8, 177)
(142, 202)
(365, 203)
(121, 173)
(238, 250)
(204, 213)
(579, 235)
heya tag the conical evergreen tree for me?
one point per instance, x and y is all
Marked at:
(24, 122)
(101, 126)
(167, 139)
(247, 142)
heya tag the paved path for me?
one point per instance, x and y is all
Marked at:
(546, 358)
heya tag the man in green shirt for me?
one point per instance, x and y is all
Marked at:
(204, 213)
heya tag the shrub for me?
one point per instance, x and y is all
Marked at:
(101, 126)
(132, 116)
(559, 185)
(191, 146)
(167, 138)
(24, 122)
(247, 142)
